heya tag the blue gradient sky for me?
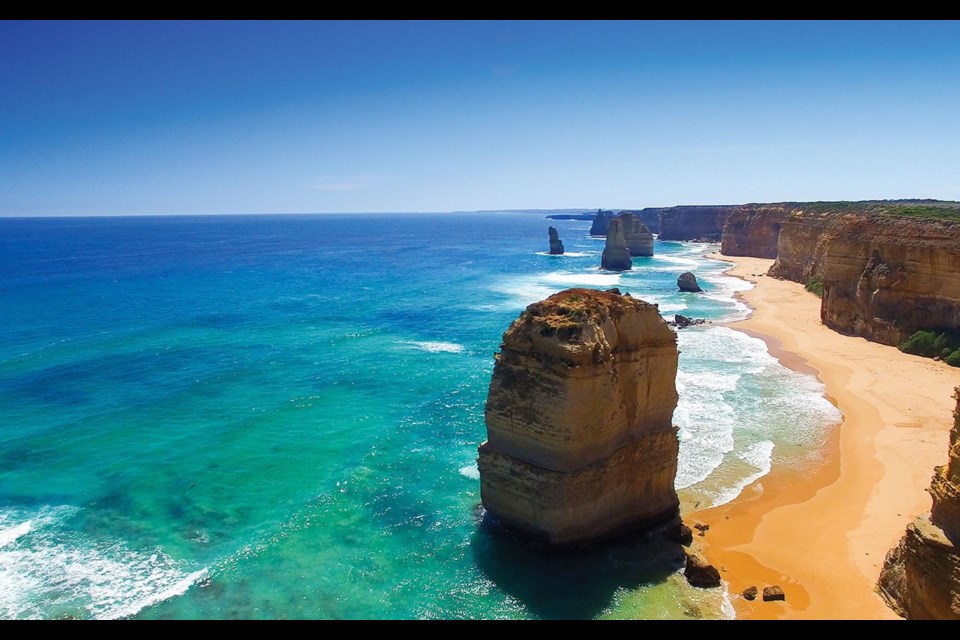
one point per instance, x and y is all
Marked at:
(208, 117)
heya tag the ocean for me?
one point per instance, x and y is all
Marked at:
(278, 416)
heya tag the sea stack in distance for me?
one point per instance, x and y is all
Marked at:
(556, 245)
(616, 256)
(600, 223)
(580, 438)
(638, 237)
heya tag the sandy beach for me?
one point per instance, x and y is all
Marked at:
(822, 533)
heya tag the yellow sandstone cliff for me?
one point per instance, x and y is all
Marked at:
(921, 575)
(581, 444)
(884, 276)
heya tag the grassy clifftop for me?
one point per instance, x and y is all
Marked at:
(927, 209)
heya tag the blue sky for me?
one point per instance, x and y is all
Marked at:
(249, 117)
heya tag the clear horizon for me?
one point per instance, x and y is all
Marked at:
(207, 118)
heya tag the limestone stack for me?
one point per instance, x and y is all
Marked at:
(616, 256)
(921, 575)
(580, 440)
(636, 234)
(556, 245)
(601, 221)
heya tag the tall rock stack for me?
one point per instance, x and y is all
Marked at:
(556, 245)
(580, 438)
(616, 256)
(636, 234)
(921, 575)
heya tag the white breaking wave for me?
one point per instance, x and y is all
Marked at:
(9, 535)
(437, 347)
(53, 569)
(587, 279)
(566, 254)
(470, 471)
(524, 290)
(689, 264)
(759, 455)
(736, 402)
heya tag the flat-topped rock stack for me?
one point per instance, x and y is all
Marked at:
(580, 438)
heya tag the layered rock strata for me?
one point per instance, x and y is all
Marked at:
(616, 256)
(556, 245)
(754, 230)
(580, 440)
(884, 277)
(694, 222)
(638, 237)
(921, 575)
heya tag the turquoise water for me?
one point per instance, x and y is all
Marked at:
(277, 417)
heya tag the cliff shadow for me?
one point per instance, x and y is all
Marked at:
(572, 584)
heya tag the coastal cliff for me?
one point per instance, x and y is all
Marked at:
(580, 440)
(753, 230)
(694, 222)
(921, 575)
(884, 275)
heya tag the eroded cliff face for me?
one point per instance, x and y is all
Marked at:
(753, 230)
(884, 277)
(921, 575)
(638, 237)
(694, 222)
(580, 440)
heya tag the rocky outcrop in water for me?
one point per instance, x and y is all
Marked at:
(580, 440)
(700, 573)
(884, 276)
(694, 222)
(556, 246)
(616, 256)
(636, 234)
(921, 575)
(600, 222)
(688, 282)
(754, 230)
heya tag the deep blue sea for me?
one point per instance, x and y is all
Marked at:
(278, 416)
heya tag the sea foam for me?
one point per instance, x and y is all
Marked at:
(737, 403)
(436, 347)
(52, 571)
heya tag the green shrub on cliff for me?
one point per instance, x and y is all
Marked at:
(815, 286)
(921, 343)
(933, 343)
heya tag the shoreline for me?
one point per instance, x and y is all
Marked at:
(853, 505)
